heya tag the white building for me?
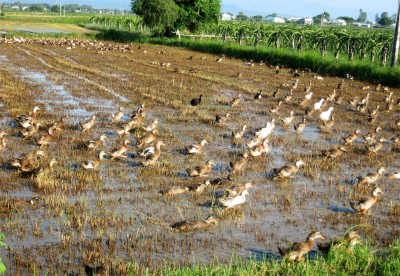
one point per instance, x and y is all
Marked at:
(226, 16)
(305, 21)
(274, 19)
(339, 22)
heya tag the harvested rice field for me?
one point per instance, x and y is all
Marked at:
(103, 205)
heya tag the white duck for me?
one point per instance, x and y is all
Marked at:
(260, 149)
(318, 105)
(326, 115)
(266, 131)
(196, 148)
(230, 202)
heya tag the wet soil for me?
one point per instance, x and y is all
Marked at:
(116, 215)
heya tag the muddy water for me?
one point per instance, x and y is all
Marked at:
(118, 211)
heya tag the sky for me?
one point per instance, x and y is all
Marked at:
(302, 8)
(309, 8)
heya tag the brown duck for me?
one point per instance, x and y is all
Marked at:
(201, 171)
(299, 249)
(365, 204)
(350, 236)
(188, 225)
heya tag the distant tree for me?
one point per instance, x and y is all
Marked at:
(160, 15)
(274, 14)
(36, 8)
(86, 8)
(362, 17)
(384, 19)
(55, 8)
(241, 16)
(348, 19)
(175, 14)
(72, 7)
(257, 18)
(318, 18)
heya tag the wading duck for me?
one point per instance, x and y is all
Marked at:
(27, 162)
(94, 144)
(326, 115)
(395, 175)
(266, 131)
(287, 120)
(196, 148)
(276, 108)
(235, 101)
(92, 165)
(238, 134)
(258, 95)
(370, 137)
(318, 105)
(371, 177)
(300, 126)
(117, 116)
(201, 171)
(148, 138)
(334, 152)
(175, 190)
(237, 189)
(299, 249)
(327, 125)
(288, 170)
(199, 187)
(219, 119)
(45, 140)
(88, 124)
(3, 140)
(230, 202)
(375, 147)
(239, 164)
(222, 181)
(348, 239)
(152, 158)
(365, 204)
(26, 121)
(260, 149)
(351, 138)
(31, 130)
(196, 101)
(151, 126)
(188, 225)
(120, 152)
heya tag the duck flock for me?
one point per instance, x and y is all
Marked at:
(292, 111)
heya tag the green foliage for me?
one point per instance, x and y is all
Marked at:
(325, 15)
(36, 8)
(348, 19)
(2, 244)
(362, 17)
(163, 16)
(384, 19)
(361, 260)
(241, 16)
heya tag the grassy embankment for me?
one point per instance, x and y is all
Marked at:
(362, 260)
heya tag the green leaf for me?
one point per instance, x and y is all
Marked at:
(2, 268)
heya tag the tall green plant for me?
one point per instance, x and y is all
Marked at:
(2, 265)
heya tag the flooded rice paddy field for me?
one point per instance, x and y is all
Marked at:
(115, 215)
